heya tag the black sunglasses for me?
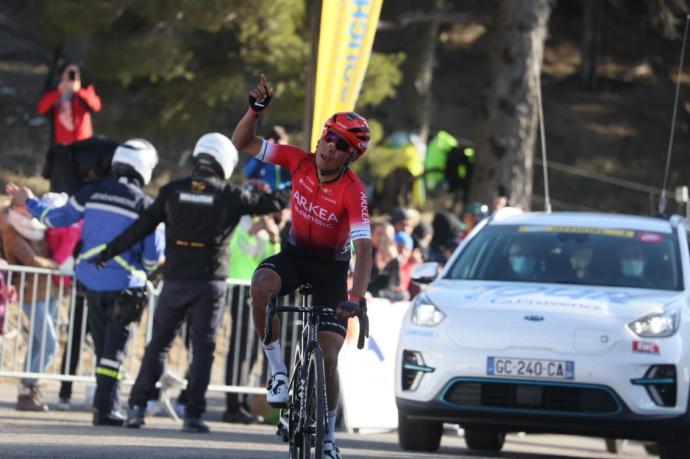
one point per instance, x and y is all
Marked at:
(340, 143)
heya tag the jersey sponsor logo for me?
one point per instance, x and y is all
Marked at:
(364, 207)
(312, 212)
(203, 199)
(303, 183)
(331, 200)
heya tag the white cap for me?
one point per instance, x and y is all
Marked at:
(220, 148)
(140, 154)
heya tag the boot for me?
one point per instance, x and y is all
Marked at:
(29, 398)
(104, 418)
(195, 425)
(135, 416)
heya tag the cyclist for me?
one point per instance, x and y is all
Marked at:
(329, 214)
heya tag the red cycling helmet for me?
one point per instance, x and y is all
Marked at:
(353, 128)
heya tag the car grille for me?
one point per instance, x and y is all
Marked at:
(551, 397)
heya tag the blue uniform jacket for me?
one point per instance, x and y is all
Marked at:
(108, 208)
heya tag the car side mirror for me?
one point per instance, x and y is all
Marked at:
(425, 273)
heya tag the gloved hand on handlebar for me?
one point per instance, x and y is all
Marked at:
(351, 307)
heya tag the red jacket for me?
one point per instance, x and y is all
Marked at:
(71, 117)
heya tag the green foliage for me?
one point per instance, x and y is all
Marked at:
(382, 77)
(172, 69)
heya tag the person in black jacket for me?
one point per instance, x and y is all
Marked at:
(200, 212)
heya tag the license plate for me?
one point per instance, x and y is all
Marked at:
(530, 368)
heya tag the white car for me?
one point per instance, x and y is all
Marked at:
(571, 323)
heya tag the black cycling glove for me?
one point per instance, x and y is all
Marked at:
(349, 308)
(259, 105)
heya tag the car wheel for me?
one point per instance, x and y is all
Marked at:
(419, 435)
(674, 449)
(484, 440)
(614, 445)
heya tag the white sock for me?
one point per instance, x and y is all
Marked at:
(330, 422)
(275, 357)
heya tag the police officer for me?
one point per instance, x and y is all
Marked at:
(200, 212)
(115, 295)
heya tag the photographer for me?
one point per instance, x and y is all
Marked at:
(71, 106)
(116, 294)
(200, 211)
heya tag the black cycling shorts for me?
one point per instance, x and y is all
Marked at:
(328, 279)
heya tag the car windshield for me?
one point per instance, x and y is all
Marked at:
(571, 255)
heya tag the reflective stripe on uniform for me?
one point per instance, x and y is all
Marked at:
(91, 252)
(75, 204)
(43, 216)
(115, 374)
(136, 272)
(111, 363)
(118, 259)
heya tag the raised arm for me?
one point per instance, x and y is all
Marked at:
(244, 136)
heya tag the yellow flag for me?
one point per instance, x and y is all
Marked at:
(345, 40)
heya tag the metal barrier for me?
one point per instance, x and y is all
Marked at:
(38, 289)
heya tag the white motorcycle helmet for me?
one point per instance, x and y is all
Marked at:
(220, 148)
(140, 155)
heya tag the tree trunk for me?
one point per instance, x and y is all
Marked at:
(591, 37)
(508, 124)
(415, 93)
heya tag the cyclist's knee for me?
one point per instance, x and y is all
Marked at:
(265, 282)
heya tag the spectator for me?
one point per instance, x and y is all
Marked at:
(405, 247)
(501, 198)
(421, 234)
(385, 271)
(446, 230)
(64, 243)
(24, 244)
(473, 214)
(272, 174)
(7, 295)
(401, 221)
(71, 106)
(254, 239)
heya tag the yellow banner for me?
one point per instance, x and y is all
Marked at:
(345, 40)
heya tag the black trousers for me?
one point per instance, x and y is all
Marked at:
(110, 342)
(73, 347)
(203, 301)
(239, 350)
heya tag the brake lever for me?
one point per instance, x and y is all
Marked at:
(363, 328)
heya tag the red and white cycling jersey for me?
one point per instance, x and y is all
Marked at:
(325, 216)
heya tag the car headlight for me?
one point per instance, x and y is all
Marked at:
(657, 325)
(425, 313)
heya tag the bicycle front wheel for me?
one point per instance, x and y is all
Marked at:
(315, 414)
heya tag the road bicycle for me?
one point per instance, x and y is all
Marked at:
(302, 423)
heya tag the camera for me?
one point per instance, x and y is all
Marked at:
(72, 75)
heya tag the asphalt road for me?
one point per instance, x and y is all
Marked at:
(70, 435)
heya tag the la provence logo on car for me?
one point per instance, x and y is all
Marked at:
(534, 318)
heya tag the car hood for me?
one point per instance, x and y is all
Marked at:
(564, 318)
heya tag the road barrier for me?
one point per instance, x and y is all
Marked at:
(27, 337)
